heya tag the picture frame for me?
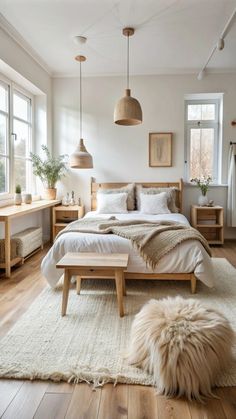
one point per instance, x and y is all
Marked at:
(160, 149)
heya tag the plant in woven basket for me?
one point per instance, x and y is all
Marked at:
(49, 171)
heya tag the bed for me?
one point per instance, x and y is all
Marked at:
(188, 261)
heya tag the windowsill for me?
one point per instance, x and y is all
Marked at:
(212, 185)
(8, 199)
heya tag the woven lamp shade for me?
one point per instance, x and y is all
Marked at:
(128, 110)
(81, 159)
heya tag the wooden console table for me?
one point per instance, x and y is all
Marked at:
(13, 211)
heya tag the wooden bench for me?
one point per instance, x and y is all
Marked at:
(94, 265)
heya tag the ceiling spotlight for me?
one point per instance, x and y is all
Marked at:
(220, 44)
(80, 40)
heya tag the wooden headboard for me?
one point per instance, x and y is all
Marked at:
(96, 186)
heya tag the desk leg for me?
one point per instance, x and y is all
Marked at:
(66, 287)
(7, 248)
(51, 225)
(119, 276)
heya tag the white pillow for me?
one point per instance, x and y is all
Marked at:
(111, 203)
(154, 204)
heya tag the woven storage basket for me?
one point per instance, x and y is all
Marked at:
(28, 240)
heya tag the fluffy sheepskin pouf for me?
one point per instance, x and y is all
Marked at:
(183, 344)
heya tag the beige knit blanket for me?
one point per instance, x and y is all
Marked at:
(152, 239)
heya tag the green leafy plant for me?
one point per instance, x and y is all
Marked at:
(202, 183)
(18, 189)
(49, 170)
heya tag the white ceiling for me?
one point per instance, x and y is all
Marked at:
(172, 36)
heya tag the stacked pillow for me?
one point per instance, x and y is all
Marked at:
(112, 203)
(118, 200)
(154, 204)
(171, 196)
(154, 200)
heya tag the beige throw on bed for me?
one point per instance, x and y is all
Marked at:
(152, 239)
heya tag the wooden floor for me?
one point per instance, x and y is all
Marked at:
(21, 399)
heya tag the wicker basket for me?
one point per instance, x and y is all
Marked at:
(28, 241)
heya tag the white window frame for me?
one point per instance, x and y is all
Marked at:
(13, 87)
(194, 124)
(7, 154)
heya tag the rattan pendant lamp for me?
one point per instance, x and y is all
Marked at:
(128, 110)
(81, 159)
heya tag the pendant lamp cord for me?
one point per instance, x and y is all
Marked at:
(80, 98)
(128, 62)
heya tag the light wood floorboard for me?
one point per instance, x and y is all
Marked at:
(21, 399)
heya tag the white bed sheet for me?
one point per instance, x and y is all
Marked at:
(189, 256)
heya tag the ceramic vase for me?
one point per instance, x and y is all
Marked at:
(202, 200)
(28, 198)
(17, 199)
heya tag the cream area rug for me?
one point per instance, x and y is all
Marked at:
(89, 342)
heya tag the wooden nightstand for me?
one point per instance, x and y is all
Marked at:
(63, 215)
(210, 222)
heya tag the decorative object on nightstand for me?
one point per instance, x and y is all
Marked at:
(203, 184)
(18, 196)
(63, 215)
(49, 171)
(210, 222)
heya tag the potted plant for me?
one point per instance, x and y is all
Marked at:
(203, 184)
(18, 196)
(49, 171)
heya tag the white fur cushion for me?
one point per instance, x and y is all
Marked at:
(111, 203)
(154, 204)
(183, 344)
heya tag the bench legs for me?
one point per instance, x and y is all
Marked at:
(120, 289)
(66, 286)
(119, 278)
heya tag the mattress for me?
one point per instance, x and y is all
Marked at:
(189, 256)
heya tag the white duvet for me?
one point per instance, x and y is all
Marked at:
(189, 256)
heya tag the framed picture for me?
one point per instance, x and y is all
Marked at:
(160, 144)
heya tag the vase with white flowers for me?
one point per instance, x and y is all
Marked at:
(203, 184)
(49, 171)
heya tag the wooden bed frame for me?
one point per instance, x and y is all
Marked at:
(179, 201)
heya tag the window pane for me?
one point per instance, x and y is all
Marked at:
(194, 112)
(201, 152)
(3, 98)
(21, 142)
(3, 134)
(3, 178)
(20, 107)
(208, 112)
(20, 173)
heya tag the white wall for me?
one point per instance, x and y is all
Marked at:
(19, 65)
(121, 153)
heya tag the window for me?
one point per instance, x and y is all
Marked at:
(202, 138)
(4, 135)
(15, 139)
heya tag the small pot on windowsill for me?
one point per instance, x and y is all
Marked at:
(18, 196)
(50, 193)
(17, 199)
